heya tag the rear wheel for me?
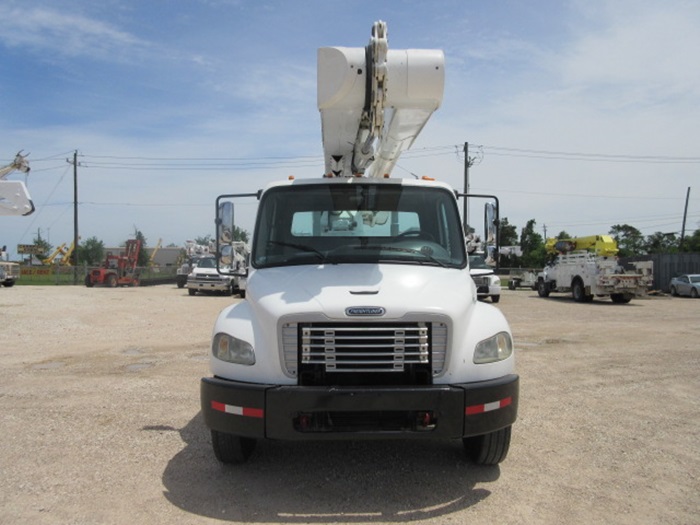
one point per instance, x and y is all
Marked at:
(489, 449)
(578, 291)
(542, 290)
(191, 291)
(621, 298)
(495, 298)
(112, 280)
(231, 449)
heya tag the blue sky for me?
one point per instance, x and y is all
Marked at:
(580, 114)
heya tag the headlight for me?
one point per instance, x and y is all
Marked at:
(496, 348)
(232, 350)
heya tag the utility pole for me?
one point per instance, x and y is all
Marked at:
(544, 227)
(685, 216)
(465, 211)
(75, 216)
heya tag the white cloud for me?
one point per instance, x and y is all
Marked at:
(66, 35)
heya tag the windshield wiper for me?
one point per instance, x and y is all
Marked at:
(390, 247)
(305, 248)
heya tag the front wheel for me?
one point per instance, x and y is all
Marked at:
(674, 292)
(231, 449)
(489, 449)
(694, 293)
(542, 290)
(495, 298)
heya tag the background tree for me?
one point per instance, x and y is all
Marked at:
(661, 243)
(204, 241)
(240, 234)
(532, 245)
(629, 239)
(508, 236)
(691, 244)
(143, 258)
(91, 252)
(43, 248)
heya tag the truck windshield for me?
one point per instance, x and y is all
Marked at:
(358, 223)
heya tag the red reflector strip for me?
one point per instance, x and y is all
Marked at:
(238, 411)
(487, 407)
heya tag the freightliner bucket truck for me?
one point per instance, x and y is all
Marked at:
(361, 320)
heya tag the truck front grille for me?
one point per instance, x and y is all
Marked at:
(364, 353)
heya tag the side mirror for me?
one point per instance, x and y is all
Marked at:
(224, 222)
(490, 222)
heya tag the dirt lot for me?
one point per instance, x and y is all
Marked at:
(100, 423)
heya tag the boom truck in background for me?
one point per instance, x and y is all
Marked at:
(117, 270)
(588, 267)
(361, 320)
(14, 197)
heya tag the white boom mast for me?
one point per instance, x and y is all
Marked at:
(374, 102)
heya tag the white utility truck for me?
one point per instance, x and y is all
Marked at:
(587, 266)
(361, 320)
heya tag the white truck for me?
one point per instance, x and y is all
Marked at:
(9, 273)
(588, 266)
(361, 319)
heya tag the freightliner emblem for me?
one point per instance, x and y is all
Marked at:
(365, 310)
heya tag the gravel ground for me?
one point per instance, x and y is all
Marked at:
(100, 423)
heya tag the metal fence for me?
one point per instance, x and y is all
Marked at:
(668, 265)
(60, 275)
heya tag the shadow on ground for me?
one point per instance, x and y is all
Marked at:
(325, 482)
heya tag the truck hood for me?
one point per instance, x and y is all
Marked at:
(333, 289)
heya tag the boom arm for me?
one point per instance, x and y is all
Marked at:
(603, 245)
(14, 197)
(374, 102)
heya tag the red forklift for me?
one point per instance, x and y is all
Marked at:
(117, 270)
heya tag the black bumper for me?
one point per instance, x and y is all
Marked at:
(297, 413)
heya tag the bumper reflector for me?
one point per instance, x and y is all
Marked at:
(487, 407)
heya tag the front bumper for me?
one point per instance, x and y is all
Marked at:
(299, 413)
(208, 286)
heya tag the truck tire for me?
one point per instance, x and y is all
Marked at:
(111, 280)
(495, 298)
(578, 291)
(241, 294)
(542, 290)
(191, 291)
(231, 449)
(9, 283)
(488, 449)
(88, 281)
(621, 298)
